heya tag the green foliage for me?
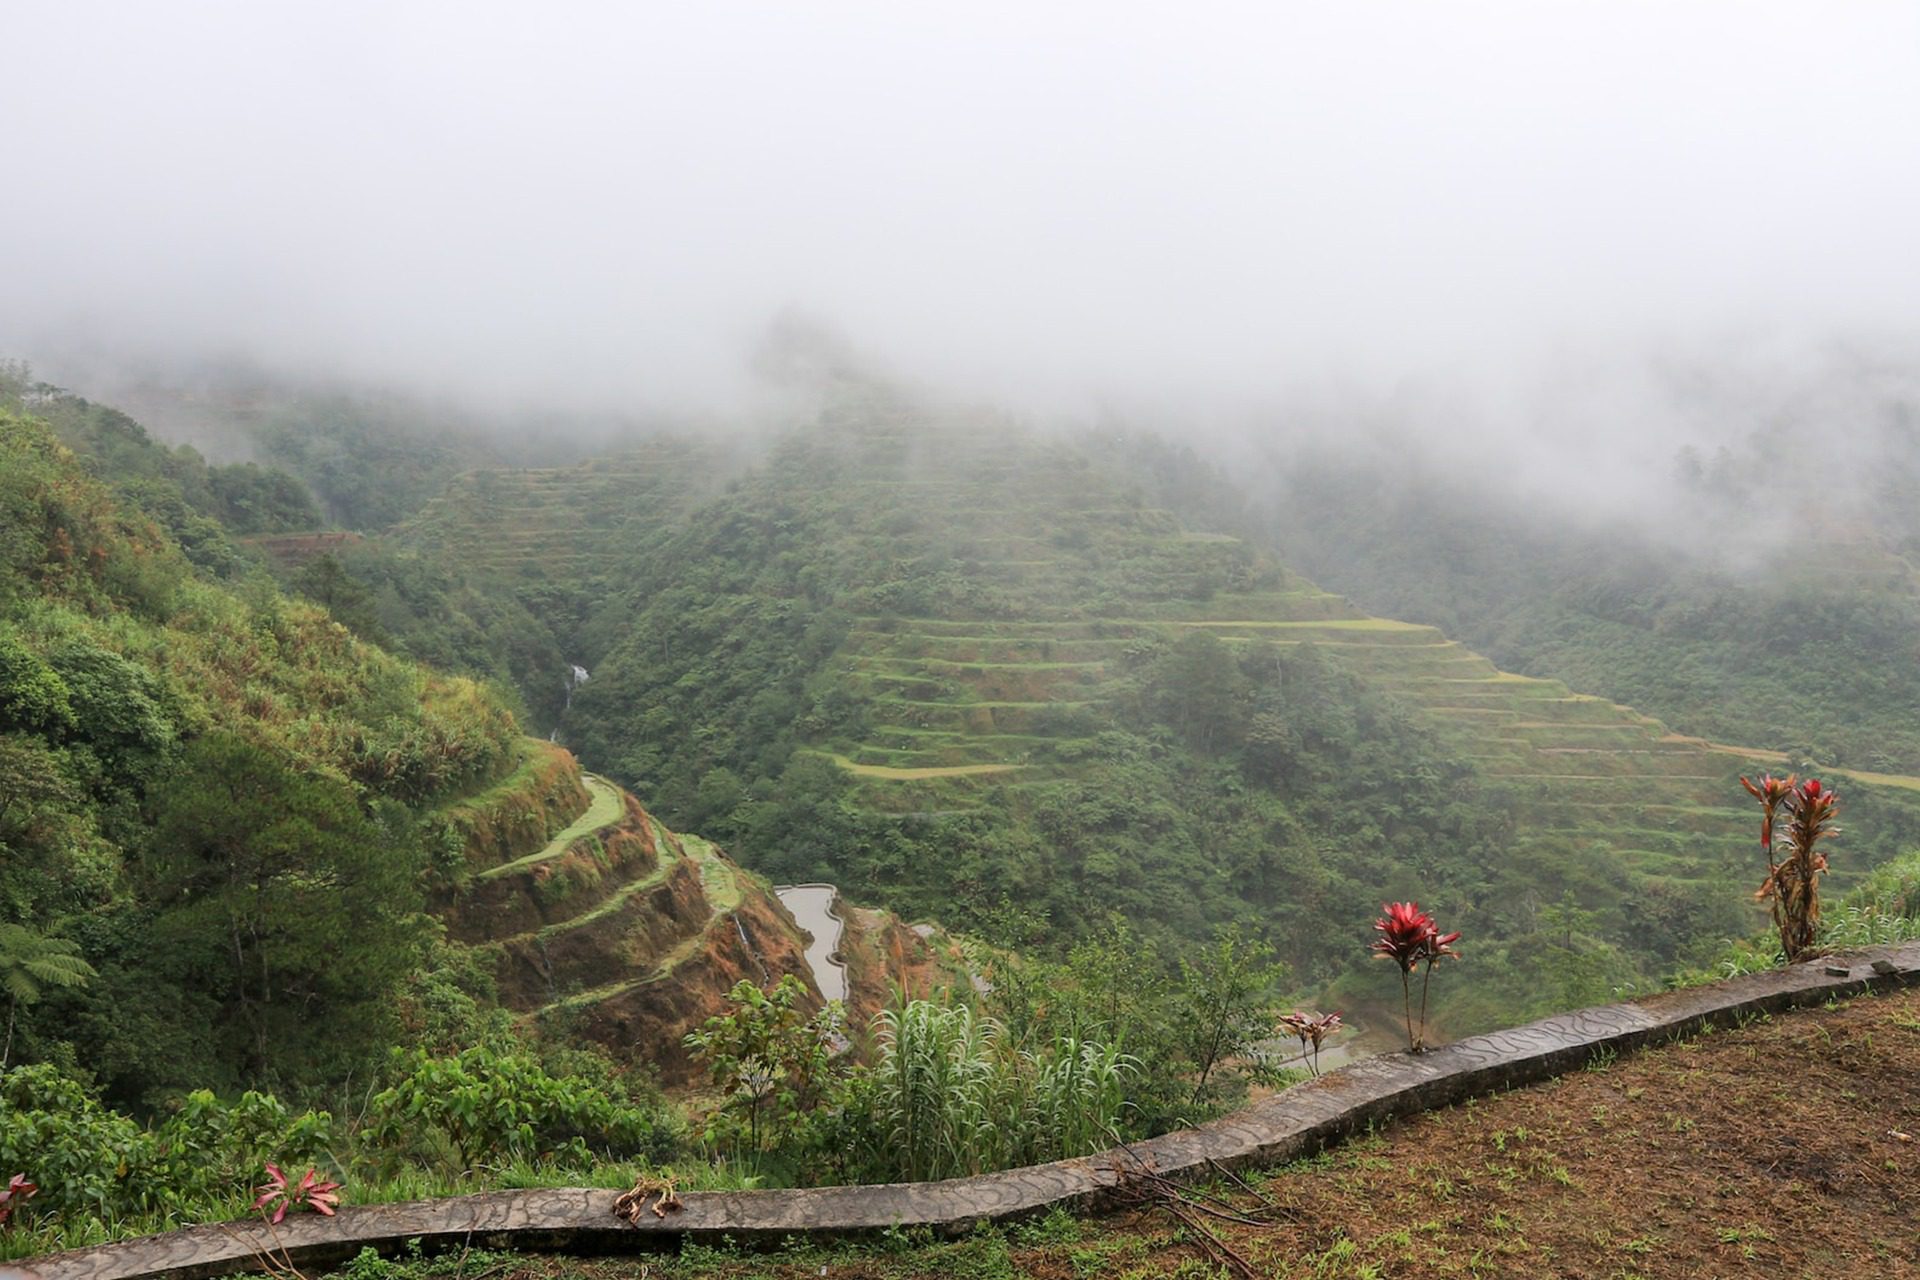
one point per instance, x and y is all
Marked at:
(941, 1090)
(1562, 958)
(1776, 655)
(33, 697)
(776, 1064)
(1224, 1004)
(29, 965)
(949, 1095)
(1883, 909)
(204, 508)
(214, 796)
(483, 1108)
(948, 1092)
(94, 1163)
(289, 910)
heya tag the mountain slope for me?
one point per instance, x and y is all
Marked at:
(952, 664)
(241, 816)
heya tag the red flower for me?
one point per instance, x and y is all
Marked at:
(17, 1189)
(316, 1194)
(1770, 792)
(1405, 932)
(1409, 936)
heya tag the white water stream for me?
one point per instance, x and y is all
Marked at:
(812, 906)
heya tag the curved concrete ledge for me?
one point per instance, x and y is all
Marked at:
(1288, 1125)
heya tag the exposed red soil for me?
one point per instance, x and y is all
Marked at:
(883, 954)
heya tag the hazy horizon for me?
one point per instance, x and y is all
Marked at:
(1538, 229)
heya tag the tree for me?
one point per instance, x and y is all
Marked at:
(279, 898)
(776, 1062)
(1200, 690)
(1571, 958)
(30, 963)
(1224, 1004)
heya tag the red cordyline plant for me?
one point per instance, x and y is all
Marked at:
(1310, 1029)
(311, 1191)
(1792, 886)
(1409, 937)
(16, 1190)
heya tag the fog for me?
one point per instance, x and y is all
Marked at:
(1514, 227)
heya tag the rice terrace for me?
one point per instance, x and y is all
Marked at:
(743, 642)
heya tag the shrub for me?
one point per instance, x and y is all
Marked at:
(1078, 1098)
(481, 1107)
(1792, 886)
(949, 1096)
(941, 1097)
(776, 1063)
(93, 1162)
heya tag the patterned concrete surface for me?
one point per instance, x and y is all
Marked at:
(1290, 1124)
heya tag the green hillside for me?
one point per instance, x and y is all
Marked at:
(222, 800)
(1776, 624)
(952, 663)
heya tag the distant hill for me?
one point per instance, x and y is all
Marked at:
(1804, 638)
(972, 670)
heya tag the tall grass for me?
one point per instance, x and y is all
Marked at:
(950, 1095)
(939, 1084)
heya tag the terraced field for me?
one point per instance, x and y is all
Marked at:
(991, 604)
(617, 923)
(1584, 769)
(989, 694)
(559, 523)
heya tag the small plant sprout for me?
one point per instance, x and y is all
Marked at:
(1792, 886)
(1311, 1031)
(281, 1195)
(1409, 938)
(16, 1190)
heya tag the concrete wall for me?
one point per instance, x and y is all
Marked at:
(1290, 1124)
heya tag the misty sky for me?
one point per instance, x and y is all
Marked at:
(603, 203)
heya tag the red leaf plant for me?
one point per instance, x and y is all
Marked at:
(1409, 937)
(1310, 1030)
(316, 1194)
(16, 1190)
(1792, 886)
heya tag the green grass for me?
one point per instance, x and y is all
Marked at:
(606, 809)
(906, 775)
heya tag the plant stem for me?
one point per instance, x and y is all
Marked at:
(1426, 980)
(1406, 1001)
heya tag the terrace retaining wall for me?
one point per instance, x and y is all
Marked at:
(1296, 1122)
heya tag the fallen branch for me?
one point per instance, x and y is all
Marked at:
(628, 1205)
